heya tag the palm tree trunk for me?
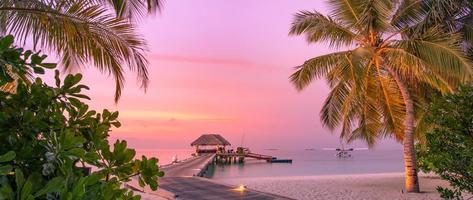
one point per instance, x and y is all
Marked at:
(410, 163)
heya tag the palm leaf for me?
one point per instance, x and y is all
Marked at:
(376, 15)
(316, 68)
(319, 28)
(409, 12)
(133, 8)
(409, 65)
(441, 52)
(80, 33)
(349, 12)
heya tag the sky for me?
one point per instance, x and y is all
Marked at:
(221, 66)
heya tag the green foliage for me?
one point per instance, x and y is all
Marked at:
(449, 149)
(50, 138)
(386, 52)
(75, 30)
(18, 64)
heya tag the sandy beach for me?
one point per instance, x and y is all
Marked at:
(366, 186)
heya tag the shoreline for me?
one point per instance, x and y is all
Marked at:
(355, 186)
(331, 187)
(389, 185)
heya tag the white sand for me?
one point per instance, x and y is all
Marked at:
(369, 186)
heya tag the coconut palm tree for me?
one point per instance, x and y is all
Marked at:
(383, 70)
(454, 15)
(83, 32)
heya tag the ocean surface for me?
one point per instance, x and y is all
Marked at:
(304, 163)
(165, 155)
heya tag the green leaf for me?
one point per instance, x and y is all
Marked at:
(19, 178)
(92, 179)
(116, 124)
(35, 59)
(27, 54)
(75, 102)
(72, 80)
(54, 185)
(105, 113)
(56, 78)
(9, 156)
(77, 152)
(5, 169)
(70, 140)
(49, 65)
(82, 96)
(26, 189)
(6, 41)
(6, 191)
(113, 116)
(38, 70)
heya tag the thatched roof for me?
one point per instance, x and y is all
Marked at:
(211, 139)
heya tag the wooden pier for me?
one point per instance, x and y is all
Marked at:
(183, 181)
(240, 157)
(216, 144)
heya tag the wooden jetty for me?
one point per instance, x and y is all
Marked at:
(224, 157)
(216, 144)
(183, 181)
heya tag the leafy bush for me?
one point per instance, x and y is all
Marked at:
(50, 138)
(449, 149)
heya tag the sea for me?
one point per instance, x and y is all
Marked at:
(311, 162)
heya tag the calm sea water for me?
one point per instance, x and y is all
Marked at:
(310, 163)
(305, 163)
(165, 155)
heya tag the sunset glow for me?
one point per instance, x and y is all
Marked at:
(220, 67)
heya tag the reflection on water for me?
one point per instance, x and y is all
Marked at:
(304, 163)
(312, 162)
(165, 155)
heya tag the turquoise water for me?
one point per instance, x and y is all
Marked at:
(305, 163)
(311, 163)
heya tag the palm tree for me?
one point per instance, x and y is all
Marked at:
(384, 75)
(83, 32)
(454, 15)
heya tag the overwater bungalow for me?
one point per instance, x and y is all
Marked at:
(210, 143)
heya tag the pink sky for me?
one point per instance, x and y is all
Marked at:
(221, 66)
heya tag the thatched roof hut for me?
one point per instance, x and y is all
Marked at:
(210, 140)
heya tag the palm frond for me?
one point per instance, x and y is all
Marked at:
(409, 13)
(411, 66)
(319, 28)
(440, 51)
(391, 106)
(400, 59)
(79, 33)
(369, 116)
(349, 12)
(448, 13)
(376, 15)
(341, 105)
(133, 8)
(332, 109)
(316, 68)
